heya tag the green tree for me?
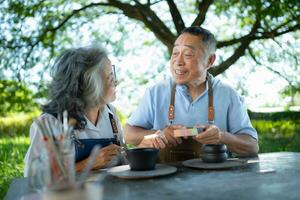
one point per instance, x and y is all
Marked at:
(15, 97)
(284, 63)
(33, 31)
(292, 91)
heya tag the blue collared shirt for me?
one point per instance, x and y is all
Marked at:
(230, 112)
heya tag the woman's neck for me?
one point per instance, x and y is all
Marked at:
(93, 114)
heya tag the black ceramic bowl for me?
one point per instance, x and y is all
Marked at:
(142, 158)
(214, 148)
(214, 158)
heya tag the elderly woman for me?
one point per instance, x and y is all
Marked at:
(84, 83)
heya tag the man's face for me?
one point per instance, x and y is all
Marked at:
(188, 61)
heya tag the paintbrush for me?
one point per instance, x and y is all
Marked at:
(53, 147)
(65, 121)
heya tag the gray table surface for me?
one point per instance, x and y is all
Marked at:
(275, 176)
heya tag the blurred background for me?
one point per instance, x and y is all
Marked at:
(258, 54)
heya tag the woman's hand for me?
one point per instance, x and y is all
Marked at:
(103, 159)
(106, 155)
(162, 139)
(155, 140)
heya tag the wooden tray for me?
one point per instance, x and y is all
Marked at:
(125, 172)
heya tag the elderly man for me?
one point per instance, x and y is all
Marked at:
(192, 98)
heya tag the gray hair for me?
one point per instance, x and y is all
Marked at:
(77, 83)
(207, 37)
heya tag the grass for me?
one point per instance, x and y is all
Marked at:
(12, 152)
(14, 140)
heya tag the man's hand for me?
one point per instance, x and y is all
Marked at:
(169, 134)
(210, 135)
(242, 143)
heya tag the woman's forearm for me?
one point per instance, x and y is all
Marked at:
(134, 135)
(79, 166)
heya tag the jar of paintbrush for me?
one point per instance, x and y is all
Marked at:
(59, 160)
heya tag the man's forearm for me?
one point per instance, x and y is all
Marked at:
(134, 134)
(241, 144)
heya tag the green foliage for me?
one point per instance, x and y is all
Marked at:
(288, 90)
(12, 153)
(122, 118)
(278, 131)
(275, 116)
(283, 63)
(292, 92)
(278, 135)
(263, 9)
(15, 97)
(17, 125)
(42, 90)
(35, 31)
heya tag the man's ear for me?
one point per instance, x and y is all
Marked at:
(211, 60)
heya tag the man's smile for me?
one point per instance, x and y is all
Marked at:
(180, 72)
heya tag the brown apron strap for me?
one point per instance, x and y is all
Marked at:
(171, 115)
(113, 123)
(211, 115)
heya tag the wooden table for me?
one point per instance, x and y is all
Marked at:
(276, 176)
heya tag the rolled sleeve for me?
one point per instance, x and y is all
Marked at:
(36, 144)
(238, 119)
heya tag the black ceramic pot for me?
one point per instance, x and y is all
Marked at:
(214, 158)
(142, 158)
(214, 148)
(214, 153)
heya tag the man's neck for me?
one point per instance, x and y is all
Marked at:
(196, 89)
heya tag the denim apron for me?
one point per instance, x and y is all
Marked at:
(83, 147)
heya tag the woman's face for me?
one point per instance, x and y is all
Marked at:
(109, 82)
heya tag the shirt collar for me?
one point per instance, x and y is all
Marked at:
(105, 113)
(183, 88)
